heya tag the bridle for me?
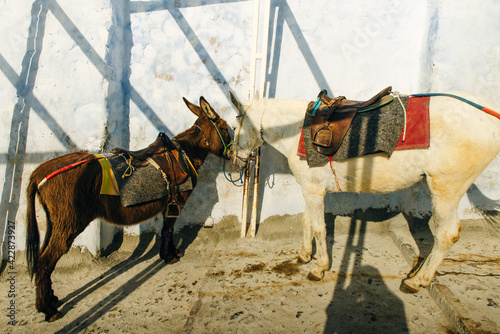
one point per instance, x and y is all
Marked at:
(226, 146)
(222, 139)
(236, 144)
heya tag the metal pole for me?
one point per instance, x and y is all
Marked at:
(255, 198)
(244, 213)
(254, 55)
(256, 90)
(263, 53)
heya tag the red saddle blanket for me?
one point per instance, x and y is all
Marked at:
(417, 127)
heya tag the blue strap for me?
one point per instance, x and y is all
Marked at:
(478, 106)
(316, 106)
(318, 102)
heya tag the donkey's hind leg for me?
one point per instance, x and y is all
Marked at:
(447, 232)
(57, 246)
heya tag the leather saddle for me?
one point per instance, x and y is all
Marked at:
(159, 146)
(333, 117)
(166, 157)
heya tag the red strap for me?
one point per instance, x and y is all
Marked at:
(334, 174)
(66, 168)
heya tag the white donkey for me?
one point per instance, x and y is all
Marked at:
(463, 141)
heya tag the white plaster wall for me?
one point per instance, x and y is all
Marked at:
(192, 48)
(190, 52)
(67, 83)
(10, 62)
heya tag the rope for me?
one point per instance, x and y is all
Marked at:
(396, 94)
(261, 131)
(129, 169)
(155, 165)
(230, 180)
(334, 174)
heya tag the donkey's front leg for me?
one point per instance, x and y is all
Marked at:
(168, 252)
(314, 220)
(305, 254)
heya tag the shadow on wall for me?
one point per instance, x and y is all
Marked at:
(282, 13)
(16, 155)
(199, 206)
(488, 209)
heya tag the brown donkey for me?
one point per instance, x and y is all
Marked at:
(72, 199)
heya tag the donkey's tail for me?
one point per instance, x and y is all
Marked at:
(32, 234)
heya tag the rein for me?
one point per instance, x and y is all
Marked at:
(230, 180)
(220, 136)
(221, 139)
(242, 116)
(249, 156)
(225, 149)
(261, 132)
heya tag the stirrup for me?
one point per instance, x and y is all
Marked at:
(321, 141)
(175, 213)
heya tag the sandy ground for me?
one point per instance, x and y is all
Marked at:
(232, 285)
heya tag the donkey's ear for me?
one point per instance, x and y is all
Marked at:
(207, 109)
(193, 107)
(236, 103)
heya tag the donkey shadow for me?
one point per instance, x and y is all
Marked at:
(361, 299)
(138, 256)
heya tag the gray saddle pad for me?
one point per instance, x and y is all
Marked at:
(372, 131)
(144, 184)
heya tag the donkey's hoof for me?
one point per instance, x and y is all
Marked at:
(315, 276)
(171, 259)
(171, 256)
(406, 288)
(303, 259)
(51, 318)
